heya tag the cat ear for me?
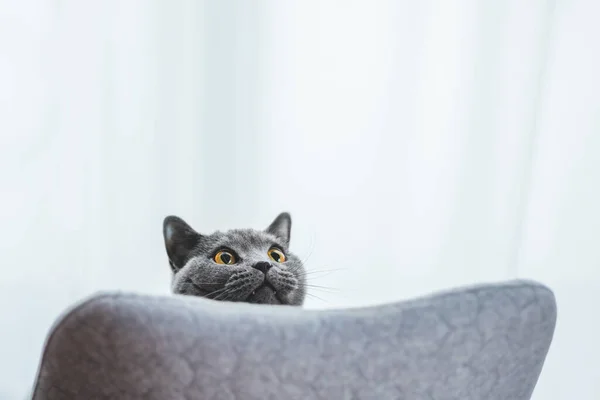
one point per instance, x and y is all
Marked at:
(180, 240)
(281, 227)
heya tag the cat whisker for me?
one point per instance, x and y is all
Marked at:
(204, 283)
(223, 296)
(312, 248)
(323, 288)
(217, 292)
(320, 271)
(311, 275)
(317, 297)
(209, 283)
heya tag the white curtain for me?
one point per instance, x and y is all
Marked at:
(418, 145)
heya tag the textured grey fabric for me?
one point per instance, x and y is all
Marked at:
(485, 342)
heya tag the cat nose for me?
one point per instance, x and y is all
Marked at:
(263, 266)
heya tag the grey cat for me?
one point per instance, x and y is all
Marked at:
(238, 265)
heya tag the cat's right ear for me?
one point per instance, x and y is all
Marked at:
(180, 240)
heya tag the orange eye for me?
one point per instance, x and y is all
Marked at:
(224, 257)
(276, 255)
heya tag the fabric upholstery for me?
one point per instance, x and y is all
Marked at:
(484, 342)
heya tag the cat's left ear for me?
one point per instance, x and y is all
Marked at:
(281, 227)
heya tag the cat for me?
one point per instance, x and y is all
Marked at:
(240, 265)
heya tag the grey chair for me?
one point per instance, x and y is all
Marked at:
(485, 342)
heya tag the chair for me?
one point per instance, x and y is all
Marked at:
(483, 342)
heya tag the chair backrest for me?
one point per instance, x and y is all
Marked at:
(484, 342)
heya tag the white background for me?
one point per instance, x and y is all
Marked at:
(418, 146)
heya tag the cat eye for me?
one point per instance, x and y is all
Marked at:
(224, 257)
(276, 255)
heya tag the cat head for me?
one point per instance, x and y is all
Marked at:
(238, 265)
